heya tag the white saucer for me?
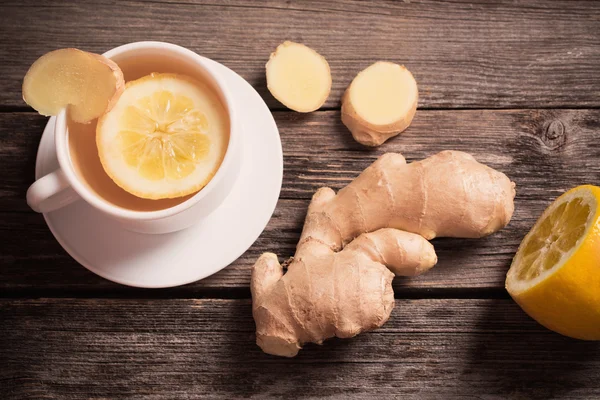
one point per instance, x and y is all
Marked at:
(155, 261)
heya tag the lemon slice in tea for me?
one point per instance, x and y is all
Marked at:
(165, 137)
(555, 275)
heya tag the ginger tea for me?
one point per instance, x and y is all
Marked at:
(84, 150)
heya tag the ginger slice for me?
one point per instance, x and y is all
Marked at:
(380, 103)
(88, 84)
(298, 77)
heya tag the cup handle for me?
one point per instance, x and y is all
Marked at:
(50, 192)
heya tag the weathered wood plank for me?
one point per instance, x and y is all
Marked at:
(531, 146)
(482, 54)
(32, 261)
(544, 151)
(166, 349)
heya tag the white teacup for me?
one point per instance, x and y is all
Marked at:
(52, 191)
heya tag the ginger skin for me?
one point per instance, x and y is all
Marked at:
(339, 281)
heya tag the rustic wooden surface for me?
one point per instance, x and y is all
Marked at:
(515, 83)
(492, 54)
(172, 349)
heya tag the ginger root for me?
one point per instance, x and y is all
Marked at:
(298, 77)
(89, 84)
(380, 103)
(339, 281)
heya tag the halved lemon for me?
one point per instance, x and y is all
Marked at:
(555, 275)
(165, 138)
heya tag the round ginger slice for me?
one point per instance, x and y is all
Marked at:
(88, 84)
(380, 103)
(298, 77)
(165, 137)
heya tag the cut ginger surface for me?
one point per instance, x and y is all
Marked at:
(380, 103)
(298, 77)
(88, 84)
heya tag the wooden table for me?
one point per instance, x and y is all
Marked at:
(515, 83)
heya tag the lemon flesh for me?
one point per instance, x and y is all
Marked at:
(555, 275)
(165, 138)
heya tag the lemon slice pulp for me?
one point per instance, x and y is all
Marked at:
(555, 275)
(165, 138)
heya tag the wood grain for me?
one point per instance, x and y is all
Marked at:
(197, 341)
(481, 54)
(544, 151)
(189, 349)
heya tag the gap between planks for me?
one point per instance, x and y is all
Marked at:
(182, 292)
(25, 109)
